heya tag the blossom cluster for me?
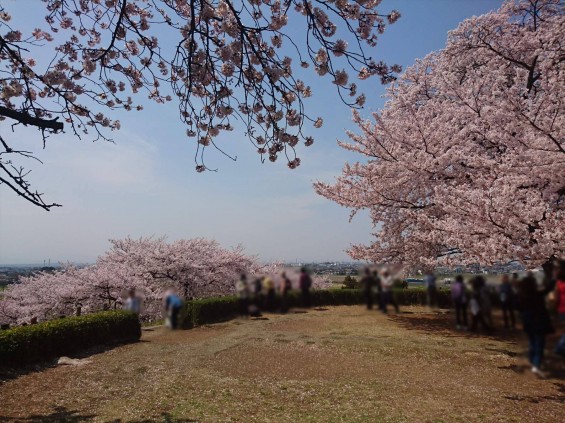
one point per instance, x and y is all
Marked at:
(465, 163)
(231, 61)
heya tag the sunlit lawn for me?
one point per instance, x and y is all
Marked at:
(335, 364)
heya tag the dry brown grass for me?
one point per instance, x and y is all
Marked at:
(341, 364)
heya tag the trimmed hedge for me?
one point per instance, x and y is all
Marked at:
(219, 309)
(54, 338)
(208, 310)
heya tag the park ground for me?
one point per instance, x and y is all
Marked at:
(336, 364)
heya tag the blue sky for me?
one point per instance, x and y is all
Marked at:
(145, 184)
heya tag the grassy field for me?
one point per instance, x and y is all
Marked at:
(339, 364)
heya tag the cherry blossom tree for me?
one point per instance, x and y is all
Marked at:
(274, 271)
(46, 295)
(466, 161)
(221, 61)
(195, 268)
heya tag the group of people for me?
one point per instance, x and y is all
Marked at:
(523, 296)
(515, 295)
(477, 301)
(261, 293)
(378, 286)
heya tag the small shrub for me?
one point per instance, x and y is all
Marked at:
(54, 338)
(351, 283)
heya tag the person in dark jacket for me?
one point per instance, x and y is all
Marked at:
(535, 320)
(368, 284)
(379, 289)
(507, 301)
(305, 283)
(478, 305)
(284, 289)
(459, 299)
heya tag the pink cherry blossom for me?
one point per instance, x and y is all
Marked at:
(220, 59)
(465, 163)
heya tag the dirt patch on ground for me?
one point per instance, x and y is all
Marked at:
(339, 364)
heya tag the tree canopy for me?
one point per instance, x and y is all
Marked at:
(220, 61)
(466, 161)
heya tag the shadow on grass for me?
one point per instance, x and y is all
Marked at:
(60, 414)
(165, 418)
(444, 323)
(536, 399)
(14, 372)
(63, 415)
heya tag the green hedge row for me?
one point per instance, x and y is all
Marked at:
(54, 338)
(208, 310)
(218, 309)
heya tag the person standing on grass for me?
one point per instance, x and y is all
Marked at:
(486, 303)
(284, 289)
(368, 284)
(378, 289)
(173, 305)
(559, 295)
(431, 289)
(477, 305)
(305, 283)
(535, 320)
(258, 293)
(242, 288)
(459, 298)
(507, 301)
(388, 297)
(133, 302)
(269, 290)
(560, 291)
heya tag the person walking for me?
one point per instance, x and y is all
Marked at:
(388, 297)
(242, 288)
(305, 283)
(368, 284)
(535, 319)
(507, 302)
(459, 298)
